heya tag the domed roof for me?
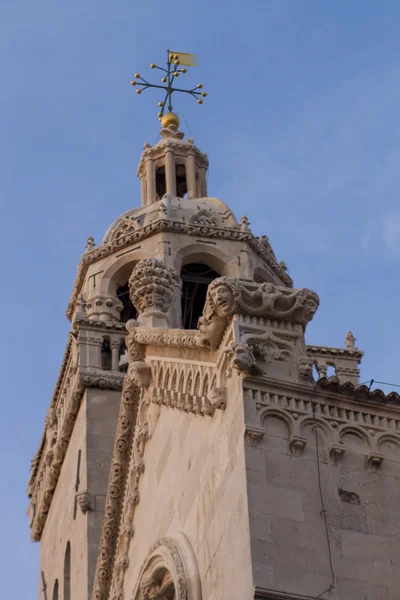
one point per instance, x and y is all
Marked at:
(207, 211)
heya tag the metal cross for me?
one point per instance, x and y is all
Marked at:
(172, 71)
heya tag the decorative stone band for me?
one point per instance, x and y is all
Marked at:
(131, 236)
(44, 479)
(376, 426)
(37, 458)
(52, 471)
(116, 486)
(335, 352)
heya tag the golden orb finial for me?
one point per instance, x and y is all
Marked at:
(170, 119)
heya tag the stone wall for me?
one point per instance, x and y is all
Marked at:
(194, 482)
(102, 413)
(288, 536)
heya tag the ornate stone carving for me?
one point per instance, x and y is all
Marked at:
(255, 351)
(103, 308)
(242, 358)
(163, 574)
(254, 435)
(203, 218)
(297, 445)
(152, 285)
(244, 223)
(217, 398)
(134, 234)
(84, 501)
(58, 453)
(106, 382)
(350, 341)
(374, 461)
(114, 500)
(90, 243)
(336, 453)
(305, 366)
(227, 296)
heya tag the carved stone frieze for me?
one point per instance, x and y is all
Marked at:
(227, 296)
(106, 382)
(176, 338)
(334, 420)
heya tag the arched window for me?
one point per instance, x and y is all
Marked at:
(55, 590)
(106, 355)
(196, 278)
(161, 182)
(128, 310)
(67, 573)
(181, 182)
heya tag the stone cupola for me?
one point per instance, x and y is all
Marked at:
(173, 166)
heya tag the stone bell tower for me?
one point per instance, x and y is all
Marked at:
(188, 452)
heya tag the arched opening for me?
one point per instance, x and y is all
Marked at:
(106, 355)
(161, 182)
(55, 591)
(128, 311)
(67, 573)
(196, 278)
(181, 181)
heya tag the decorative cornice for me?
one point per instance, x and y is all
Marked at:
(108, 326)
(58, 455)
(341, 352)
(104, 380)
(37, 458)
(359, 392)
(176, 338)
(169, 225)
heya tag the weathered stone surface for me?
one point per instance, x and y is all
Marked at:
(211, 462)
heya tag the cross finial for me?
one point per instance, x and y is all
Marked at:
(174, 61)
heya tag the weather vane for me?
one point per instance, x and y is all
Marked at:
(175, 60)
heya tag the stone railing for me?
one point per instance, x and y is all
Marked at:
(185, 385)
(345, 362)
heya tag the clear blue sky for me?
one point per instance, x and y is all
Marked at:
(302, 129)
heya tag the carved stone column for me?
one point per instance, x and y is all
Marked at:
(203, 182)
(152, 285)
(170, 173)
(150, 181)
(115, 346)
(191, 176)
(143, 186)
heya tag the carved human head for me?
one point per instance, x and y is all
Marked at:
(222, 295)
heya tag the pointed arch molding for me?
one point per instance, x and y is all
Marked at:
(169, 571)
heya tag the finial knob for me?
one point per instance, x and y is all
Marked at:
(170, 119)
(90, 244)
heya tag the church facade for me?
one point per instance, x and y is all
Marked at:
(196, 448)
